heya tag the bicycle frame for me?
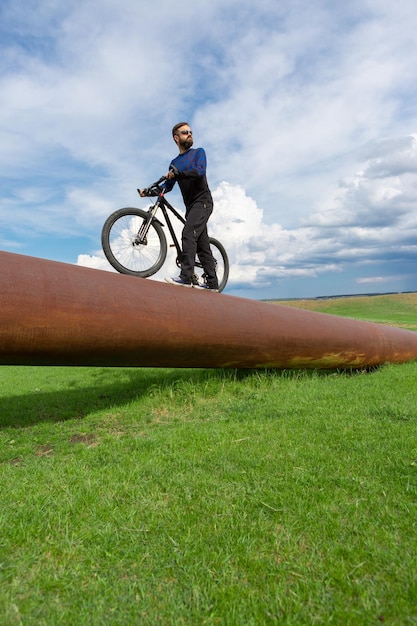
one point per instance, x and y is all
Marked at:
(163, 204)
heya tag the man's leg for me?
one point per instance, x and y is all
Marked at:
(195, 225)
(207, 260)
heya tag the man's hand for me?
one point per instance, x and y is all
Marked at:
(173, 173)
(142, 193)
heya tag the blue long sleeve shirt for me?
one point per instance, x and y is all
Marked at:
(191, 178)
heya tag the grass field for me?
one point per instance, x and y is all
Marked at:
(146, 496)
(394, 309)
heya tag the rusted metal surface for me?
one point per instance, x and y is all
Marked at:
(58, 314)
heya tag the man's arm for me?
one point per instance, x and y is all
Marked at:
(170, 179)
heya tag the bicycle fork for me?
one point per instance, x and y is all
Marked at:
(141, 237)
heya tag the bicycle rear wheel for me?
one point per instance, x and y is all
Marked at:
(222, 263)
(119, 239)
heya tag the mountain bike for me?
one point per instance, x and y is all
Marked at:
(135, 243)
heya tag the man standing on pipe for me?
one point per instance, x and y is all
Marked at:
(189, 170)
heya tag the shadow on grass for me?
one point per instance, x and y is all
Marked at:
(98, 389)
(108, 388)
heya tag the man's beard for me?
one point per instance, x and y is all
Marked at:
(187, 143)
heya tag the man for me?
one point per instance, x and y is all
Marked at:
(189, 170)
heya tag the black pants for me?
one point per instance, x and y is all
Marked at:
(195, 240)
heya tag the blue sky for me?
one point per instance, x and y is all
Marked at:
(306, 109)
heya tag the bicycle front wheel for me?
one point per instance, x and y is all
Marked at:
(123, 250)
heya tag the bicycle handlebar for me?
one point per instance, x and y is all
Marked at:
(154, 189)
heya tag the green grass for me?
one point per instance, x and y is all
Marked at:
(394, 309)
(145, 496)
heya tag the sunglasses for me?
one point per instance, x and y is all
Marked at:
(186, 132)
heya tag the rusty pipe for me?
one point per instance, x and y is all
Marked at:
(59, 314)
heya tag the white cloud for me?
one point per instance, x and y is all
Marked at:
(375, 280)
(96, 261)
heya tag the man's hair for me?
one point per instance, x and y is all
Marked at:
(177, 126)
